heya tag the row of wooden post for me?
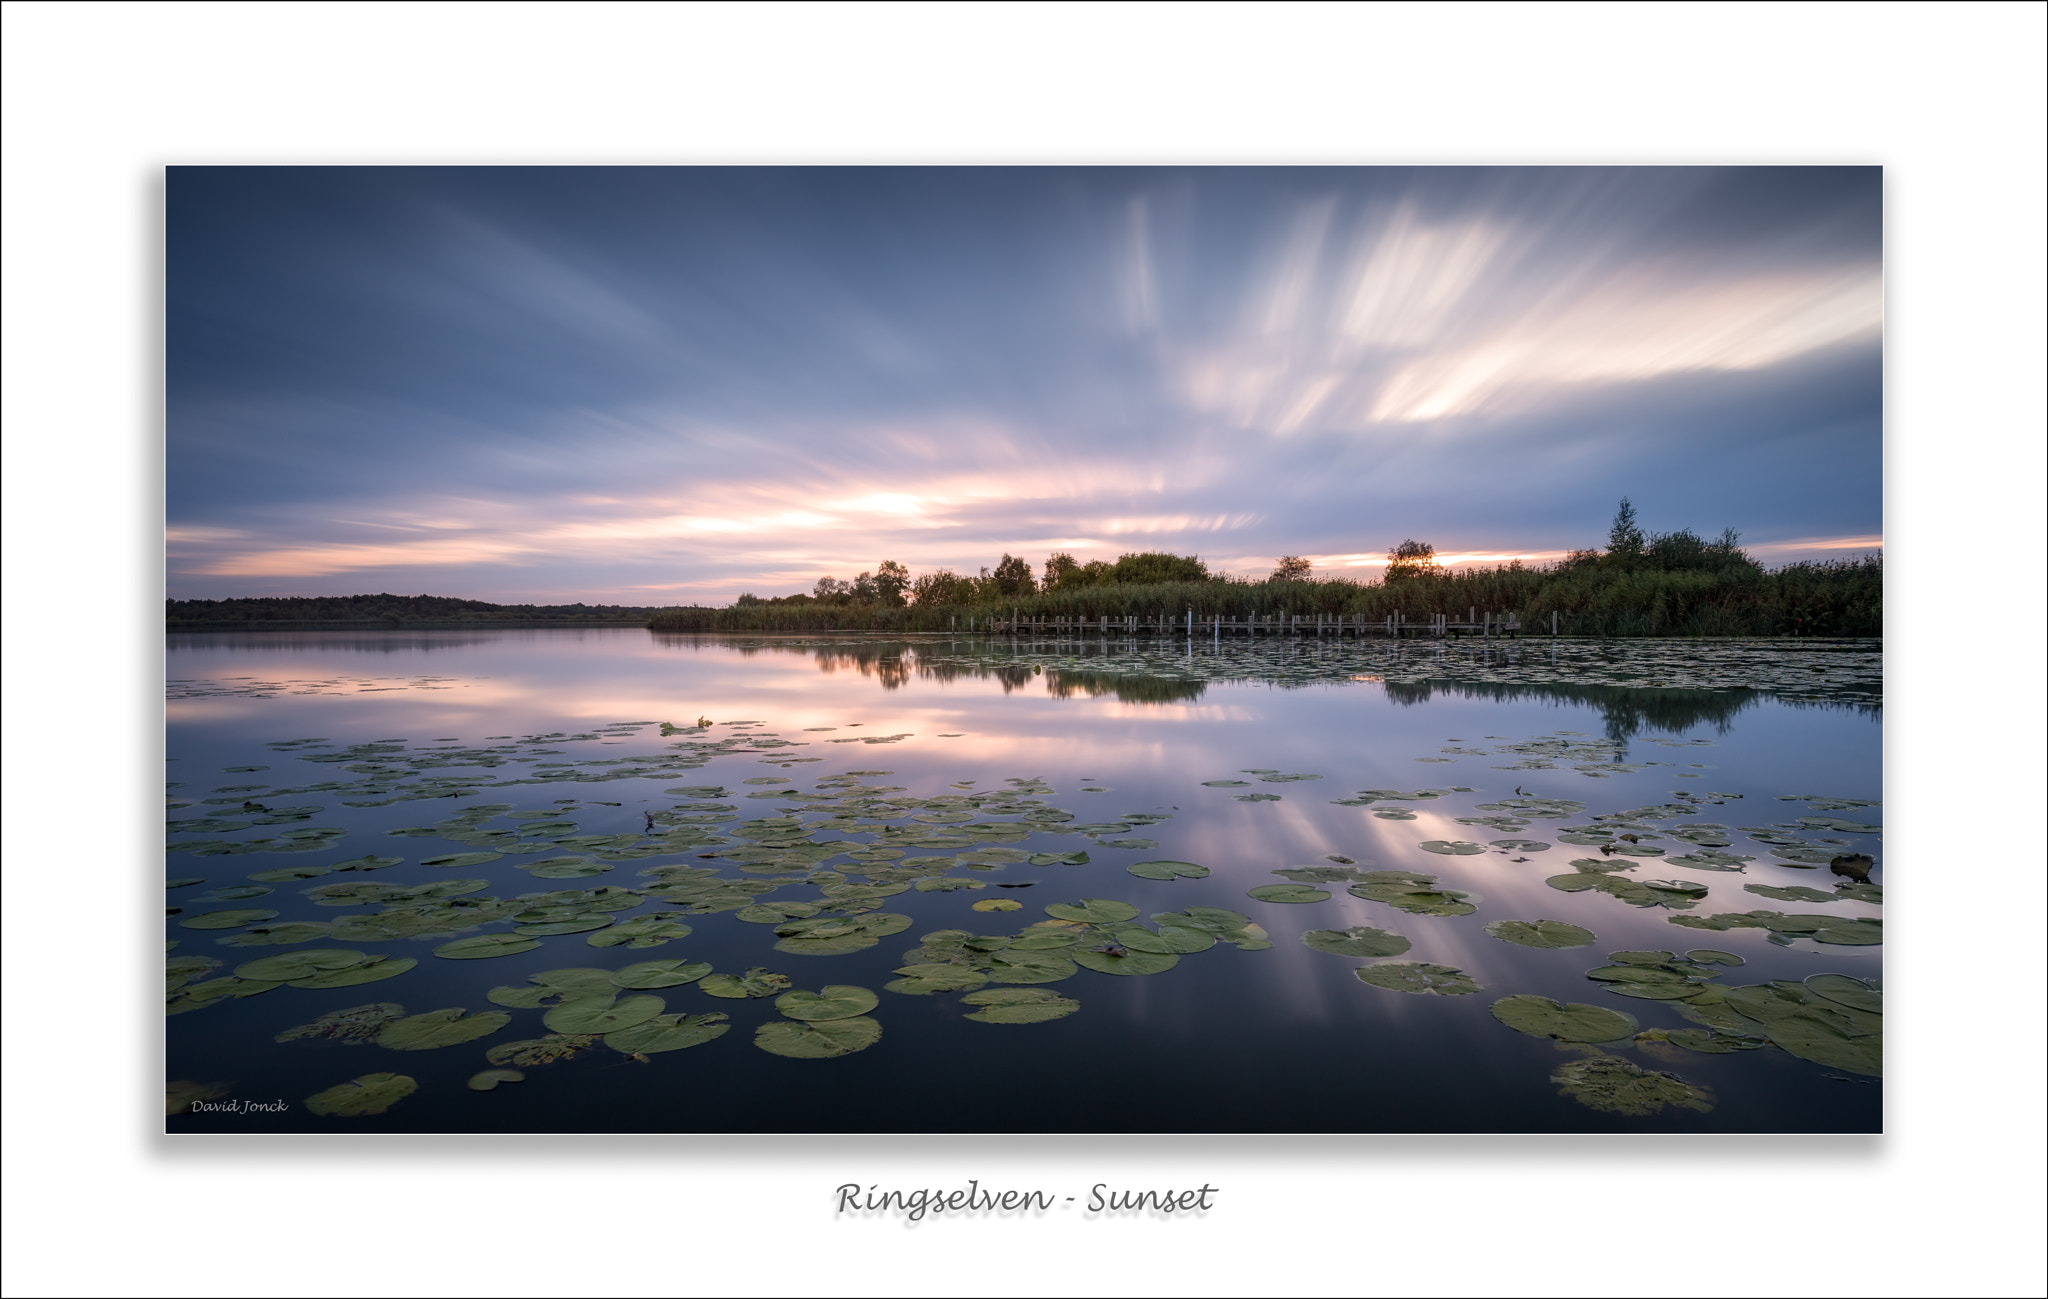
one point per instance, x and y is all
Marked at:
(1439, 625)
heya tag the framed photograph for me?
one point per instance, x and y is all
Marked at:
(1049, 650)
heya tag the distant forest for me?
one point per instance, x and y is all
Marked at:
(1640, 584)
(386, 611)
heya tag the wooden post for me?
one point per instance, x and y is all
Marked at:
(1553, 622)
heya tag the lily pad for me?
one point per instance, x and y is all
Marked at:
(533, 1052)
(369, 862)
(1298, 893)
(1418, 977)
(835, 1001)
(1127, 960)
(1011, 966)
(756, 982)
(1019, 1006)
(668, 1033)
(1413, 895)
(1575, 1022)
(1845, 991)
(1617, 1086)
(829, 936)
(925, 979)
(1360, 941)
(1092, 911)
(1168, 870)
(645, 931)
(355, 1024)
(483, 946)
(374, 970)
(998, 904)
(1319, 874)
(820, 1041)
(299, 965)
(454, 860)
(439, 1028)
(1540, 933)
(490, 1078)
(577, 923)
(601, 1015)
(1228, 784)
(373, 1093)
(234, 919)
(1708, 1042)
(1451, 847)
(660, 974)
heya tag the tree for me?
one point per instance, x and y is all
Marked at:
(1061, 570)
(830, 588)
(1293, 568)
(1013, 576)
(1411, 559)
(1625, 538)
(864, 591)
(1152, 566)
(890, 581)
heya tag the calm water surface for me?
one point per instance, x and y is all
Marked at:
(1284, 1038)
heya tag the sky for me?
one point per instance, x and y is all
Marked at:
(659, 386)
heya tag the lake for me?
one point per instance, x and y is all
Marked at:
(609, 880)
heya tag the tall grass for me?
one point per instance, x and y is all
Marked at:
(1592, 597)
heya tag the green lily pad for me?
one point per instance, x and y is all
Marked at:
(284, 935)
(1540, 933)
(1793, 893)
(1712, 956)
(601, 1015)
(532, 1052)
(355, 1024)
(1616, 1086)
(1418, 977)
(227, 919)
(834, 936)
(668, 1033)
(299, 965)
(1011, 966)
(1713, 1043)
(1215, 920)
(563, 868)
(1059, 859)
(1320, 874)
(836, 1001)
(1256, 798)
(1092, 911)
(1360, 941)
(1130, 961)
(460, 859)
(660, 974)
(998, 904)
(374, 970)
(756, 982)
(1297, 893)
(1414, 896)
(439, 1028)
(1576, 1022)
(1844, 991)
(644, 931)
(1019, 1006)
(373, 1093)
(581, 922)
(1168, 870)
(483, 946)
(1522, 845)
(924, 979)
(820, 1041)
(369, 862)
(1451, 847)
(1045, 940)
(489, 1079)
(1228, 784)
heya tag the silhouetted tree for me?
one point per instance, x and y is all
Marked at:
(1013, 576)
(1061, 570)
(1410, 559)
(890, 580)
(1625, 538)
(1292, 568)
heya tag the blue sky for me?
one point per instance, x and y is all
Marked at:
(670, 385)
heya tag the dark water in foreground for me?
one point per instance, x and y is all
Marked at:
(1230, 1039)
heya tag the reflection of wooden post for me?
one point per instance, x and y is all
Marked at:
(1553, 622)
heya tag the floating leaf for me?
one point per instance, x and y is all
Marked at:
(600, 1015)
(486, 945)
(299, 965)
(226, 919)
(373, 1093)
(1320, 874)
(1012, 966)
(439, 1028)
(821, 1041)
(1540, 933)
(1299, 893)
(578, 923)
(835, 937)
(998, 904)
(660, 974)
(1418, 977)
(1843, 990)
(836, 1001)
(756, 982)
(1576, 1022)
(1612, 1084)
(1792, 893)
(925, 979)
(373, 970)
(356, 1024)
(1359, 941)
(668, 1033)
(533, 1052)
(1713, 1043)
(1711, 956)
(490, 1078)
(1168, 870)
(1092, 911)
(1019, 1006)
(460, 859)
(1228, 784)
(370, 862)
(1413, 895)
(1451, 847)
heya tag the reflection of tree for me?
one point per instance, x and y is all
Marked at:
(352, 642)
(1628, 710)
(1128, 687)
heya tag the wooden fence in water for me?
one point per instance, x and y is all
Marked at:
(1484, 624)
